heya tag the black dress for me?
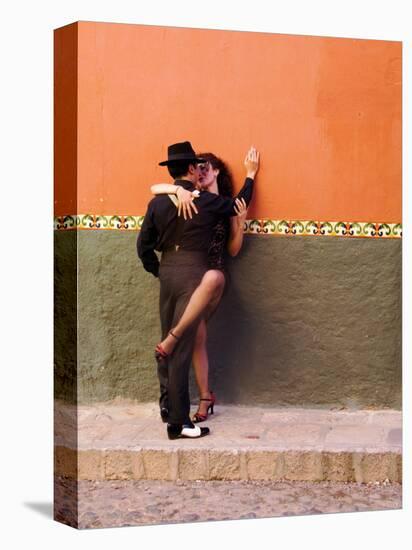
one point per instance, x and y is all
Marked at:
(216, 254)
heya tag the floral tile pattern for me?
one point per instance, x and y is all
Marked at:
(323, 228)
(90, 221)
(256, 226)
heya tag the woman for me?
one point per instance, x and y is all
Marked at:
(228, 235)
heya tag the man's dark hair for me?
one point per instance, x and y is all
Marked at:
(179, 168)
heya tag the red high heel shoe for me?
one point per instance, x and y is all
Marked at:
(160, 353)
(198, 417)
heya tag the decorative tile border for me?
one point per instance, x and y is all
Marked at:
(90, 221)
(256, 227)
(323, 228)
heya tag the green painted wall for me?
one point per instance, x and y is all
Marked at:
(65, 315)
(305, 321)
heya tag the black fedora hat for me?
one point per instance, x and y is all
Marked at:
(180, 151)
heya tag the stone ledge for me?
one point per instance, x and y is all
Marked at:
(241, 464)
(127, 441)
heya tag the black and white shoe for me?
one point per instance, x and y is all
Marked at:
(164, 414)
(176, 431)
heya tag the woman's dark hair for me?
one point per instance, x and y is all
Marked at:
(179, 168)
(224, 178)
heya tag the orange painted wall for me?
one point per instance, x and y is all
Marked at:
(325, 113)
(65, 119)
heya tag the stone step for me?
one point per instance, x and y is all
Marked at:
(126, 440)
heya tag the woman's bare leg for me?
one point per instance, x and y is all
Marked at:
(201, 361)
(206, 294)
(201, 368)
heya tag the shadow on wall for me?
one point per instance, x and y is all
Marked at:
(298, 326)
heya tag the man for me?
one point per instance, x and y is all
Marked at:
(184, 245)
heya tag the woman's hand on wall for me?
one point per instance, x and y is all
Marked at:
(252, 163)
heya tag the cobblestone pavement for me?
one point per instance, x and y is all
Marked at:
(121, 503)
